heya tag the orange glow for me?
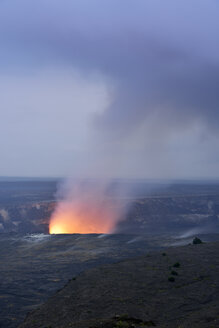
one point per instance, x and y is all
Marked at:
(84, 218)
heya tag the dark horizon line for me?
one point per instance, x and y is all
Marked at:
(116, 179)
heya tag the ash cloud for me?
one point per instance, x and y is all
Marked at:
(160, 61)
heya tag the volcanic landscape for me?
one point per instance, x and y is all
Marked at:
(35, 264)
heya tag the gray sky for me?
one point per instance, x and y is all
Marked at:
(113, 88)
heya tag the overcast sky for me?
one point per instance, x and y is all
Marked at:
(116, 88)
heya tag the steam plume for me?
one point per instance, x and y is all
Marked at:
(86, 207)
(4, 214)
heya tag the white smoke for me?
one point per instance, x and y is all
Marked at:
(36, 238)
(5, 215)
(37, 206)
(192, 232)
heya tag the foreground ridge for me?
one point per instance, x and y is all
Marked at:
(178, 288)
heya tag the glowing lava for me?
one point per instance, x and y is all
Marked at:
(82, 218)
(85, 208)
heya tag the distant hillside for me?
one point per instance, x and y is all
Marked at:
(26, 206)
(178, 288)
(166, 214)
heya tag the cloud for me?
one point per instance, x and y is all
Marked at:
(45, 120)
(158, 63)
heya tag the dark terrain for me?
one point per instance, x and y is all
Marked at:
(34, 265)
(139, 293)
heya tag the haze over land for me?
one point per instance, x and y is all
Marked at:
(109, 88)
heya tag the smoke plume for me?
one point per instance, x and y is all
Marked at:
(158, 63)
(86, 207)
(4, 214)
